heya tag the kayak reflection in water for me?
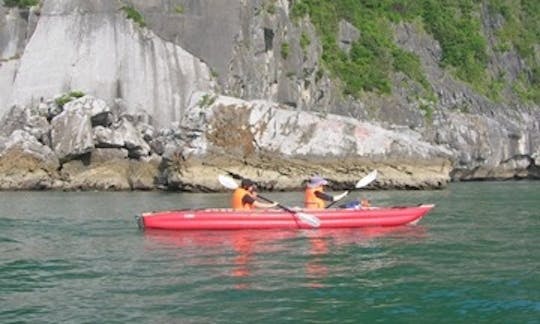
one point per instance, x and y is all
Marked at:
(315, 197)
(245, 197)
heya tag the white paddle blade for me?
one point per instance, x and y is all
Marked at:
(366, 180)
(309, 219)
(341, 196)
(227, 182)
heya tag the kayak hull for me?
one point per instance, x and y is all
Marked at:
(229, 219)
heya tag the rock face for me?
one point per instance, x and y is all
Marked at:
(246, 127)
(90, 46)
(188, 90)
(71, 133)
(70, 152)
(241, 138)
(217, 135)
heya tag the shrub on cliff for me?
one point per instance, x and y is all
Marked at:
(21, 3)
(65, 98)
(134, 15)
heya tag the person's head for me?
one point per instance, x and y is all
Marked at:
(317, 181)
(365, 202)
(248, 184)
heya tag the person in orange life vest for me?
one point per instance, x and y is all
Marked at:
(245, 197)
(315, 197)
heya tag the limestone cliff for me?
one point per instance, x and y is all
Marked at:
(90, 46)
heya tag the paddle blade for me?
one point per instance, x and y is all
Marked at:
(366, 180)
(227, 182)
(309, 219)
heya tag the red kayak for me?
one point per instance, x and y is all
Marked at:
(229, 219)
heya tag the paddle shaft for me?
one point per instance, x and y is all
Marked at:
(330, 204)
(279, 205)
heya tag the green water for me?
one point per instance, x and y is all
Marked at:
(79, 258)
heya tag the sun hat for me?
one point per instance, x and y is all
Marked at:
(317, 181)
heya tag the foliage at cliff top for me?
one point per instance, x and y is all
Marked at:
(521, 30)
(65, 98)
(21, 3)
(134, 15)
(455, 24)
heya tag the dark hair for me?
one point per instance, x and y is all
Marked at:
(246, 183)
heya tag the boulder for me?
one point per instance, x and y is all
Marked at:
(122, 135)
(27, 144)
(28, 120)
(71, 133)
(26, 164)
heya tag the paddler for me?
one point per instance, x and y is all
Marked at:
(315, 197)
(245, 197)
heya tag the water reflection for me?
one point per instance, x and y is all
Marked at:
(245, 253)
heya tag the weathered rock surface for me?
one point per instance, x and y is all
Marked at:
(257, 139)
(242, 138)
(71, 133)
(90, 46)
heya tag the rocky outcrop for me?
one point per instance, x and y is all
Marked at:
(68, 152)
(263, 140)
(278, 147)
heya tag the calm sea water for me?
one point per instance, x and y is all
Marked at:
(80, 258)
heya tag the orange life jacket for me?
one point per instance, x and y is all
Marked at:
(311, 201)
(237, 197)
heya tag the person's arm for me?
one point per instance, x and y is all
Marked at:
(258, 204)
(324, 196)
(327, 197)
(248, 200)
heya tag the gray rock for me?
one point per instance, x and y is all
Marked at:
(71, 133)
(107, 138)
(19, 118)
(347, 35)
(26, 143)
(122, 135)
(132, 139)
(101, 155)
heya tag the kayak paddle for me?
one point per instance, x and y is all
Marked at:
(360, 184)
(309, 219)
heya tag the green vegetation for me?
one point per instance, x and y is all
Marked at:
(65, 98)
(521, 30)
(134, 15)
(528, 86)
(179, 9)
(409, 64)
(374, 56)
(271, 7)
(521, 27)
(21, 3)
(455, 24)
(207, 100)
(304, 41)
(426, 108)
(457, 28)
(285, 50)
